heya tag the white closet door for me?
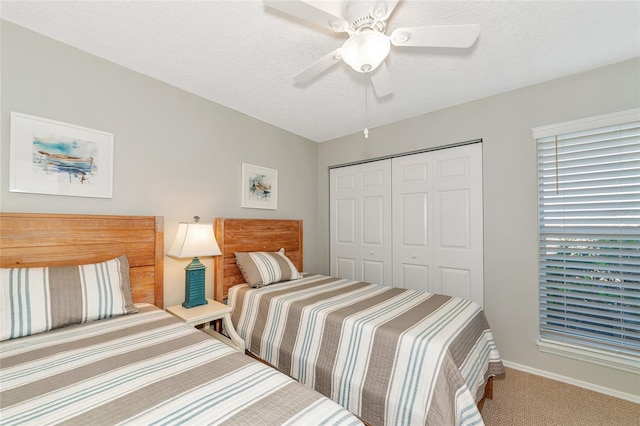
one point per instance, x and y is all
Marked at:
(360, 223)
(343, 222)
(437, 226)
(412, 226)
(375, 244)
(458, 233)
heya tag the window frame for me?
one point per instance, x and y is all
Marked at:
(570, 349)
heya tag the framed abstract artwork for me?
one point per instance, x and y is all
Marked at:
(52, 157)
(259, 187)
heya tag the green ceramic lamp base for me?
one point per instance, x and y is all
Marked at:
(194, 284)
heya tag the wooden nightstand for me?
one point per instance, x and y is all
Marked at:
(204, 314)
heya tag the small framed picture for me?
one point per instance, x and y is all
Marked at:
(52, 157)
(259, 187)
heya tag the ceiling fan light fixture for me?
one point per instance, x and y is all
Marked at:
(365, 51)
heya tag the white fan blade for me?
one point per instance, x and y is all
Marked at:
(319, 66)
(436, 36)
(381, 80)
(382, 9)
(309, 13)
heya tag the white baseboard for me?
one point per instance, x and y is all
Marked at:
(575, 382)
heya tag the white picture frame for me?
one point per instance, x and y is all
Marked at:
(56, 158)
(259, 187)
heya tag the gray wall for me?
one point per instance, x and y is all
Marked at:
(504, 122)
(176, 154)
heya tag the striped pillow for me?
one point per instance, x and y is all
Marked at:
(33, 300)
(261, 268)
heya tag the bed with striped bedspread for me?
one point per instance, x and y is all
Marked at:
(148, 368)
(391, 356)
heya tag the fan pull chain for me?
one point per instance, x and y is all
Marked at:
(366, 107)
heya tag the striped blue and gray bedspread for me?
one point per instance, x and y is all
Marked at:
(147, 368)
(391, 356)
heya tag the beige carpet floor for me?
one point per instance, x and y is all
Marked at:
(523, 399)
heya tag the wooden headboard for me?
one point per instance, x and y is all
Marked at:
(35, 239)
(243, 235)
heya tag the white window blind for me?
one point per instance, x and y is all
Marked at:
(589, 233)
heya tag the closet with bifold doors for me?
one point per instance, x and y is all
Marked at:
(412, 221)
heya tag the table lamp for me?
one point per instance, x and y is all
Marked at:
(193, 240)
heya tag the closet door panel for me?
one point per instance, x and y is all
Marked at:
(458, 236)
(372, 245)
(412, 251)
(414, 277)
(454, 219)
(452, 251)
(343, 222)
(344, 268)
(373, 271)
(372, 219)
(455, 282)
(375, 244)
(414, 211)
(360, 224)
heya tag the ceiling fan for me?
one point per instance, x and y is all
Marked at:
(368, 46)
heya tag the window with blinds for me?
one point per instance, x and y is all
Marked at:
(589, 233)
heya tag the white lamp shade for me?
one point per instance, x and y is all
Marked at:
(366, 50)
(194, 240)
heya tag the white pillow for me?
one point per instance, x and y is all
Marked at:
(33, 300)
(263, 268)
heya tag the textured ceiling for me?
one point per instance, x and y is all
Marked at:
(243, 55)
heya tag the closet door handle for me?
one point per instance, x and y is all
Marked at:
(413, 256)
